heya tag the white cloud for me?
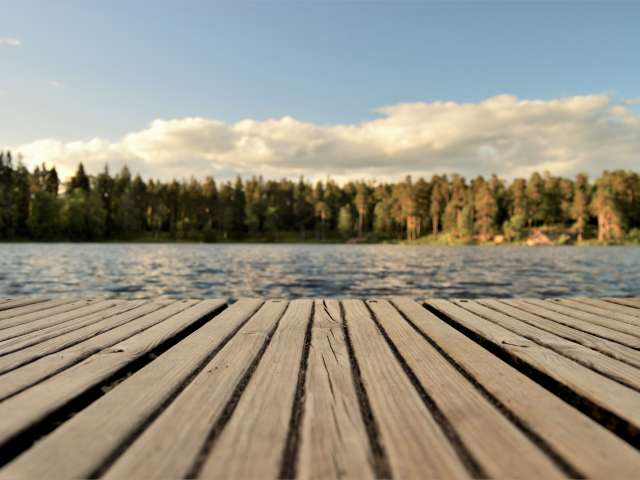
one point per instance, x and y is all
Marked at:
(55, 84)
(10, 42)
(502, 134)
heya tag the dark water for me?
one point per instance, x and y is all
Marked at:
(235, 270)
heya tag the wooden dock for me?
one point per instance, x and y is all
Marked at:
(163, 388)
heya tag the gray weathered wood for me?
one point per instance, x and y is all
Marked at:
(17, 308)
(252, 443)
(42, 310)
(626, 328)
(578, 324)
(614, 307)
(608, 347)
(145, 392)
(102, 321)
(616, 315)
(58, 325)
(622, 372)
(27, 375)
(630, 302)
(506, 452)
(17, 303)
(334, 441)
(588, 447)
(29, 407)
(170, 447)
(414, 441)
(594, 387)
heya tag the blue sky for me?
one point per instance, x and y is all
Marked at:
(105, 69)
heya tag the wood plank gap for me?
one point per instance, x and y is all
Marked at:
(380, 460)
(17, 303)
(632, 302)
(468, 459)
(290, 453)
(30, 423)
(595, 309)
(624, 428)
(44, 319)
(89, 315)
(594, 360)
(576, 324)
(605, 346)
(621, 327)
(259, 426)
(16, 381)
(563, 464)
(334, 442)
(175, 440)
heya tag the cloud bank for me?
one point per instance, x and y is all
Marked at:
(10, 42)
(503, 134)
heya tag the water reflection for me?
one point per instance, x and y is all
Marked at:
(235, 270)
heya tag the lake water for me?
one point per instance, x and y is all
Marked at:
(281, 270)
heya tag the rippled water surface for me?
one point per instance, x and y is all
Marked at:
(235, 270)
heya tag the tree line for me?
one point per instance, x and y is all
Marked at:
(36, 205)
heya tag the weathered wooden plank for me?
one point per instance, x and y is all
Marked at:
(415, 443)
(174, 438)
(19, 307)
(17, 303)
(43, 310)
(633, 330)
(619, 400)
(614, 307)
(171, 446)
(608, 347)
(31, 406)
(569, 321)
(334, 442)
(259, 425)
(619, 371)
(144, 317)
(22, 336)
(105, 321)
(609, 313)
(630, 302)
(587, 447)
(497, 445)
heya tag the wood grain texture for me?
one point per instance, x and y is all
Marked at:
(252, 443)
(575, 323)
(608, 347)
(73, 321)
(414, 441)
(609, 395)
(507, 452)
(597, 309)
(593, 359)
(27, 375)
(587, 446)
(42, 319)
(614, 307)
(172, 445)
(630, 302)
(334, 442)
(17, 307)
(143, 393)
(632, 330)
(27, 408)
(102, 321)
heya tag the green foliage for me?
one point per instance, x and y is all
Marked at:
(345, 222)
(514, 228)
(107, 207)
